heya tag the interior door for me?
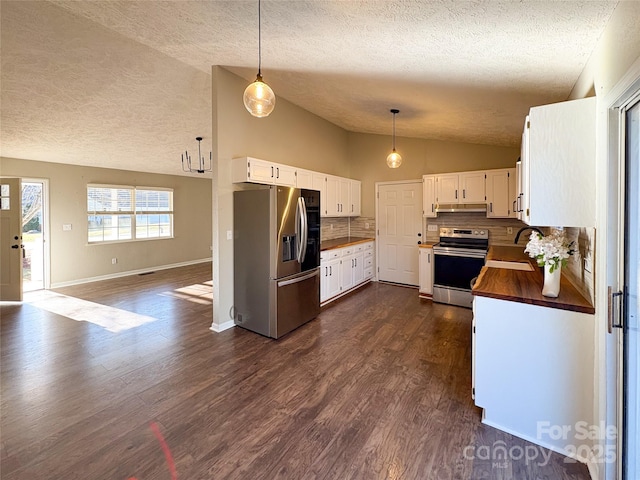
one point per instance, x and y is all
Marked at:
(11, 240)
(399, 231)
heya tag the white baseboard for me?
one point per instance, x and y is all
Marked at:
(215, 327)
(128, 273)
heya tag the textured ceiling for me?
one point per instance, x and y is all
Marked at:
(120, 83)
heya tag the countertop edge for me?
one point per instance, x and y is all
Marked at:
(343, 242)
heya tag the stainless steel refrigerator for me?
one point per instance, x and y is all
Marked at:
(276, 259)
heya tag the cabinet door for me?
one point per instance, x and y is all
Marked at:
(513, 192)
(320, 183)
(426, 271)
(261, 171)
(429, 195)
(285, 175)
(354, 198)
(524, 169)
(344, 185)
(324, 280)
(472, 185)
(304, 179)
(333, 192)
(447, 188)
(498, 199)
(346, 272)
(331, 279)
(358, 268)
(518, 205)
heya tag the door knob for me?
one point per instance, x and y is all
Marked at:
(420, 234)
(419, 242)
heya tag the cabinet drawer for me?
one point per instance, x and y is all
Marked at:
(347, 251)
(368, 272)
(358, 248)
(368, 246)
(368, 254)
(368, 262)
(329, 254)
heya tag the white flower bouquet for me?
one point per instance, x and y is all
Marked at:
(552, 250)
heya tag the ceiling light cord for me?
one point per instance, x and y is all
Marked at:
(258, 98)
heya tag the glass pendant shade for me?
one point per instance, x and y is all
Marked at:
(259, 99)
(394, 160)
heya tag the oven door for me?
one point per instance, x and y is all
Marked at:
(453, 271)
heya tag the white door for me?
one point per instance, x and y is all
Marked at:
(399, 231)
(11, 240)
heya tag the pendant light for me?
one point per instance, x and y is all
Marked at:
(258, 97)
(394, 160)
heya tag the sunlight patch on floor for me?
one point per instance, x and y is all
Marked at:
(110, 318)
(201, 293)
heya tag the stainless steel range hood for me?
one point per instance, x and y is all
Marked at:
(461, 208)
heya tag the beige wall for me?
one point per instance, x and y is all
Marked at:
(368, 153)
(290, 135)
(74, 260)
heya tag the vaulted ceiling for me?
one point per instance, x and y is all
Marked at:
(126, 84)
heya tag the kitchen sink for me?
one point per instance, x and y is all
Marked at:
(509, 265)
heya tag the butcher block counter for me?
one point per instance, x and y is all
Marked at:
(525, 286)
(343, 242)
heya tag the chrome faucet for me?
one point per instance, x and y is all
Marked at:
(535, 229)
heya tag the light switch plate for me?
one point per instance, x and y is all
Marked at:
(66, 227)
(229, 235)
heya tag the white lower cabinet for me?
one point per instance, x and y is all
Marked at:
(533, 370)
(344, 269)
(426, 271)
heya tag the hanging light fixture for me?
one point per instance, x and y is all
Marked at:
(258, 97)
(186, 166)
(394, 160)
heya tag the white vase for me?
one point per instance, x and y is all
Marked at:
(551, 287)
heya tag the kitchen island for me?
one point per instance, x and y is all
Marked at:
(533, 357)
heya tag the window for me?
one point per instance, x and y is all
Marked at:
(121, 213)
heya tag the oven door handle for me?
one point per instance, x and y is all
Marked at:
(459, 254)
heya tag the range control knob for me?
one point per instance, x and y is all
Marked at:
(475, 232)
(482, 232)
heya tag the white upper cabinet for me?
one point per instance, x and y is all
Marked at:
(558, 164)
(254, 170)
(447, 188)
(304, 179)
(501, 193)
(355, 198)
(472, 185)
(339, 196)
(429, 196)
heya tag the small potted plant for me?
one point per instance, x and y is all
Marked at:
(551, 252)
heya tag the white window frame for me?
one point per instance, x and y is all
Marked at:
(132, 213)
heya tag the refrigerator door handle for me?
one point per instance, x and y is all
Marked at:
(284, 283)
(303, 234)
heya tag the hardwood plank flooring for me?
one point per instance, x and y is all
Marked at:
(377, 387)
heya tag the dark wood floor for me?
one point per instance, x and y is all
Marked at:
(377, 387)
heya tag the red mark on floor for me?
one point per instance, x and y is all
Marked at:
(165, 448)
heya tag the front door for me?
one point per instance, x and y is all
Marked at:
(399, 231)
(10, 240)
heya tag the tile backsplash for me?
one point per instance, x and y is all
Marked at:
(497, 227)
(331, 228)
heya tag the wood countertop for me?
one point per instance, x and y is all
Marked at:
(343, 242)
(523, 286)
(427, 244)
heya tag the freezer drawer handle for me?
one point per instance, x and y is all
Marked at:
(284, 283)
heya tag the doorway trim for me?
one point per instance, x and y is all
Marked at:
(610, 221)
(46, 230)
(377, 199)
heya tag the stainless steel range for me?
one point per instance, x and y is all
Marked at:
(458, 257)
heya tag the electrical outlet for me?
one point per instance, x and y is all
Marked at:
(331, 226)
(114, 260)
(366, 226)
(432, 228)
(509, 230)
